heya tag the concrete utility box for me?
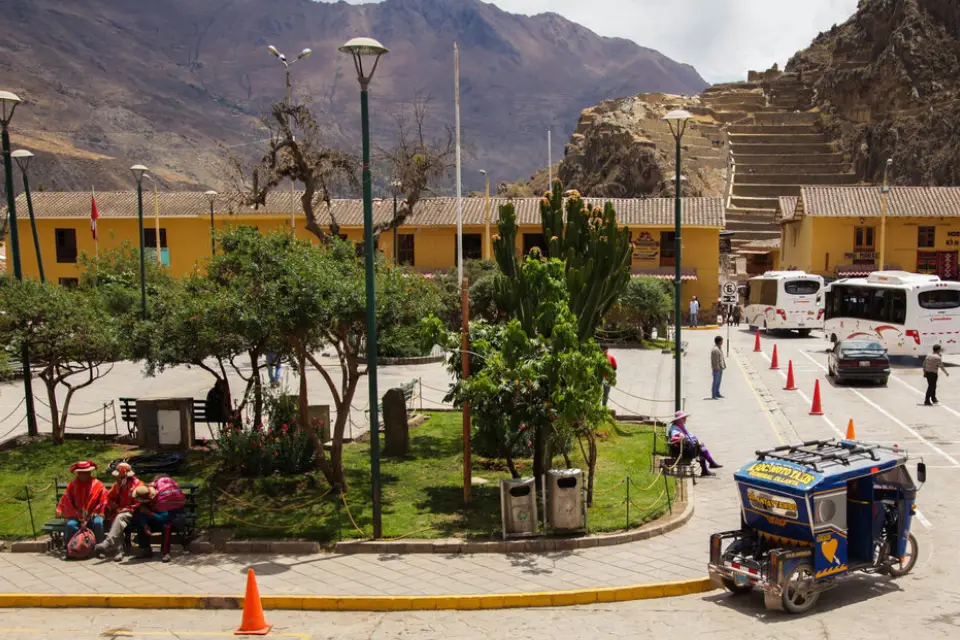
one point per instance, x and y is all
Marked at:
(565, 503)
(165, 423)
(518, 507)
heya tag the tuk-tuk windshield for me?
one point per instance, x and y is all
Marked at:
(898, 476)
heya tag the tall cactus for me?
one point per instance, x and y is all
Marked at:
(596, 254)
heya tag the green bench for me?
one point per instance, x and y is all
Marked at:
(128, 413)
(661, 459)
(186, 528)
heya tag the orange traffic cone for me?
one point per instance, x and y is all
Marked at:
(756, 343)
(774, 363)
(791, 384)
(816, 409)
(253, 623)
(851, 433)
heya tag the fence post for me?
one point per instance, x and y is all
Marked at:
(628, 502)
(421, 394)
(666, 492)
(33, 527)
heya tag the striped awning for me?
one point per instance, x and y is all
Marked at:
(665, 273)
(857, 270)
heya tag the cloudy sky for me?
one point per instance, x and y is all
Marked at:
(721, 38)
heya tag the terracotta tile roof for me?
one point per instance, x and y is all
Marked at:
(767, 243)
(865, 201)
(785, 207)
(442, 211)
(665, 273)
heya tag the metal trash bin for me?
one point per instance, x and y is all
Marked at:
(565, 503)
(518, 507)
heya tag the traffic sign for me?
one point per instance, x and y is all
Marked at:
(729, 288)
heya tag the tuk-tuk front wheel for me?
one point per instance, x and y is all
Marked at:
(736, 589)
(905, 564)
(799, 591)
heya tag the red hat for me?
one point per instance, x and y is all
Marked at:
(83, 465)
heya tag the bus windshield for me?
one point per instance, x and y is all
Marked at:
(801, 287)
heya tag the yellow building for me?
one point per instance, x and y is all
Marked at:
(426, 241)
(835, 231)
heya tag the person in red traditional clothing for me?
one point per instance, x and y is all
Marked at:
(84, 502)
(120, 510)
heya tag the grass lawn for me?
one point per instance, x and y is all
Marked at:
(422, 496)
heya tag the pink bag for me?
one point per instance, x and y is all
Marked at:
(81, 545)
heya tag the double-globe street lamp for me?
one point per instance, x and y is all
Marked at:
(286, 64)
(363, 49)
(677, 121)
(23, 158)
(8, 104)
(138, 171)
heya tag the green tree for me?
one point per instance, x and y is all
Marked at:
(644, 304)
(73, 339)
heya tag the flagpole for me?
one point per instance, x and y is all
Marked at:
(156, 220)
(456, 85)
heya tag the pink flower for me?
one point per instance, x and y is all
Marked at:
(284, 428)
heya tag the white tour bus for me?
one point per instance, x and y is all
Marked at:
(907, 312)
(785, 301)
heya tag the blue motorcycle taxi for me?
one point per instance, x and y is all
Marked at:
(815, 512)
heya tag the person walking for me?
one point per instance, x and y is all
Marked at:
(606, 380)
(694, 312)
(717, 364)
(273, 368)
(932, 365)
(736, 315)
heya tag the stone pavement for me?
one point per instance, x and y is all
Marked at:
(733, 429)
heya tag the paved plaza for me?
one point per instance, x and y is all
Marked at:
(756, 413)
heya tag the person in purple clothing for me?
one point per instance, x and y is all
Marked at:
(677, 434)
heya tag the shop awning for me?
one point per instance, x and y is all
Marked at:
(755, 252)
(666, 273)
(858, 270)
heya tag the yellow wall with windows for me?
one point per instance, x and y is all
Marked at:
(188, 243)
(819, 244)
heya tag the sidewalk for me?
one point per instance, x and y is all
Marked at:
(732, 428)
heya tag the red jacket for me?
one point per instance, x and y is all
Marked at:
(83, 500)
(120, 499)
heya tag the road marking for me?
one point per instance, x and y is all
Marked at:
(807, 399)
(924, 394)
(756, 394)
(923, 520)
(896, 420)
(127, 633)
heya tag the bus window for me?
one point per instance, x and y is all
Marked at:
(939, 299)
(768, 292)
(801, 287)
(898, 307)
(877, 306)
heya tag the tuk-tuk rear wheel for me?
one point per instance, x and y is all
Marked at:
(736, 589)
(903, 568)
(799, 593)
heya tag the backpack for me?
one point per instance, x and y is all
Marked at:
(169, 496)
(82, 544)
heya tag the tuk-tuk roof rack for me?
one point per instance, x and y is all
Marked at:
(825, 452)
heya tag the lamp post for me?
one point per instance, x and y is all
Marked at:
(212, 196)
(396, 185)
(286, 64)
(8, 104)
(359, 49)
(677, 121)
(487, 249)
(23, 157)
(883, 215)
(138, 171)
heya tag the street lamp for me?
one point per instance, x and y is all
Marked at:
(677, 121)
(212, 196)
(359, 49)
(138, 171)
(883, 215)
(486, 207)
(286, 65)
(8, 104)
(396, 185)
(23, 157)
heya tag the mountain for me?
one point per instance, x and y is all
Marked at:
(111, 83)
(887, 83)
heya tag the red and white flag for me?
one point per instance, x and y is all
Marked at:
(94, 214)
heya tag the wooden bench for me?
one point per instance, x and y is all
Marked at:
(660, 457)
(186, 527)
(128, 413)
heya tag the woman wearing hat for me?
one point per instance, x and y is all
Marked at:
(120, 507)
(678, 433)
(83, 503)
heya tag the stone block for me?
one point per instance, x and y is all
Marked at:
(30, 546)
(395, 427)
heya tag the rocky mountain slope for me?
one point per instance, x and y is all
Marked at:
(109, 83)
(888, 82)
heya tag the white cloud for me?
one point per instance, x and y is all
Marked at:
(723, 39)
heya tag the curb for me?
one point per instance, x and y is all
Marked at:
(448, 546)
(362, 603)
